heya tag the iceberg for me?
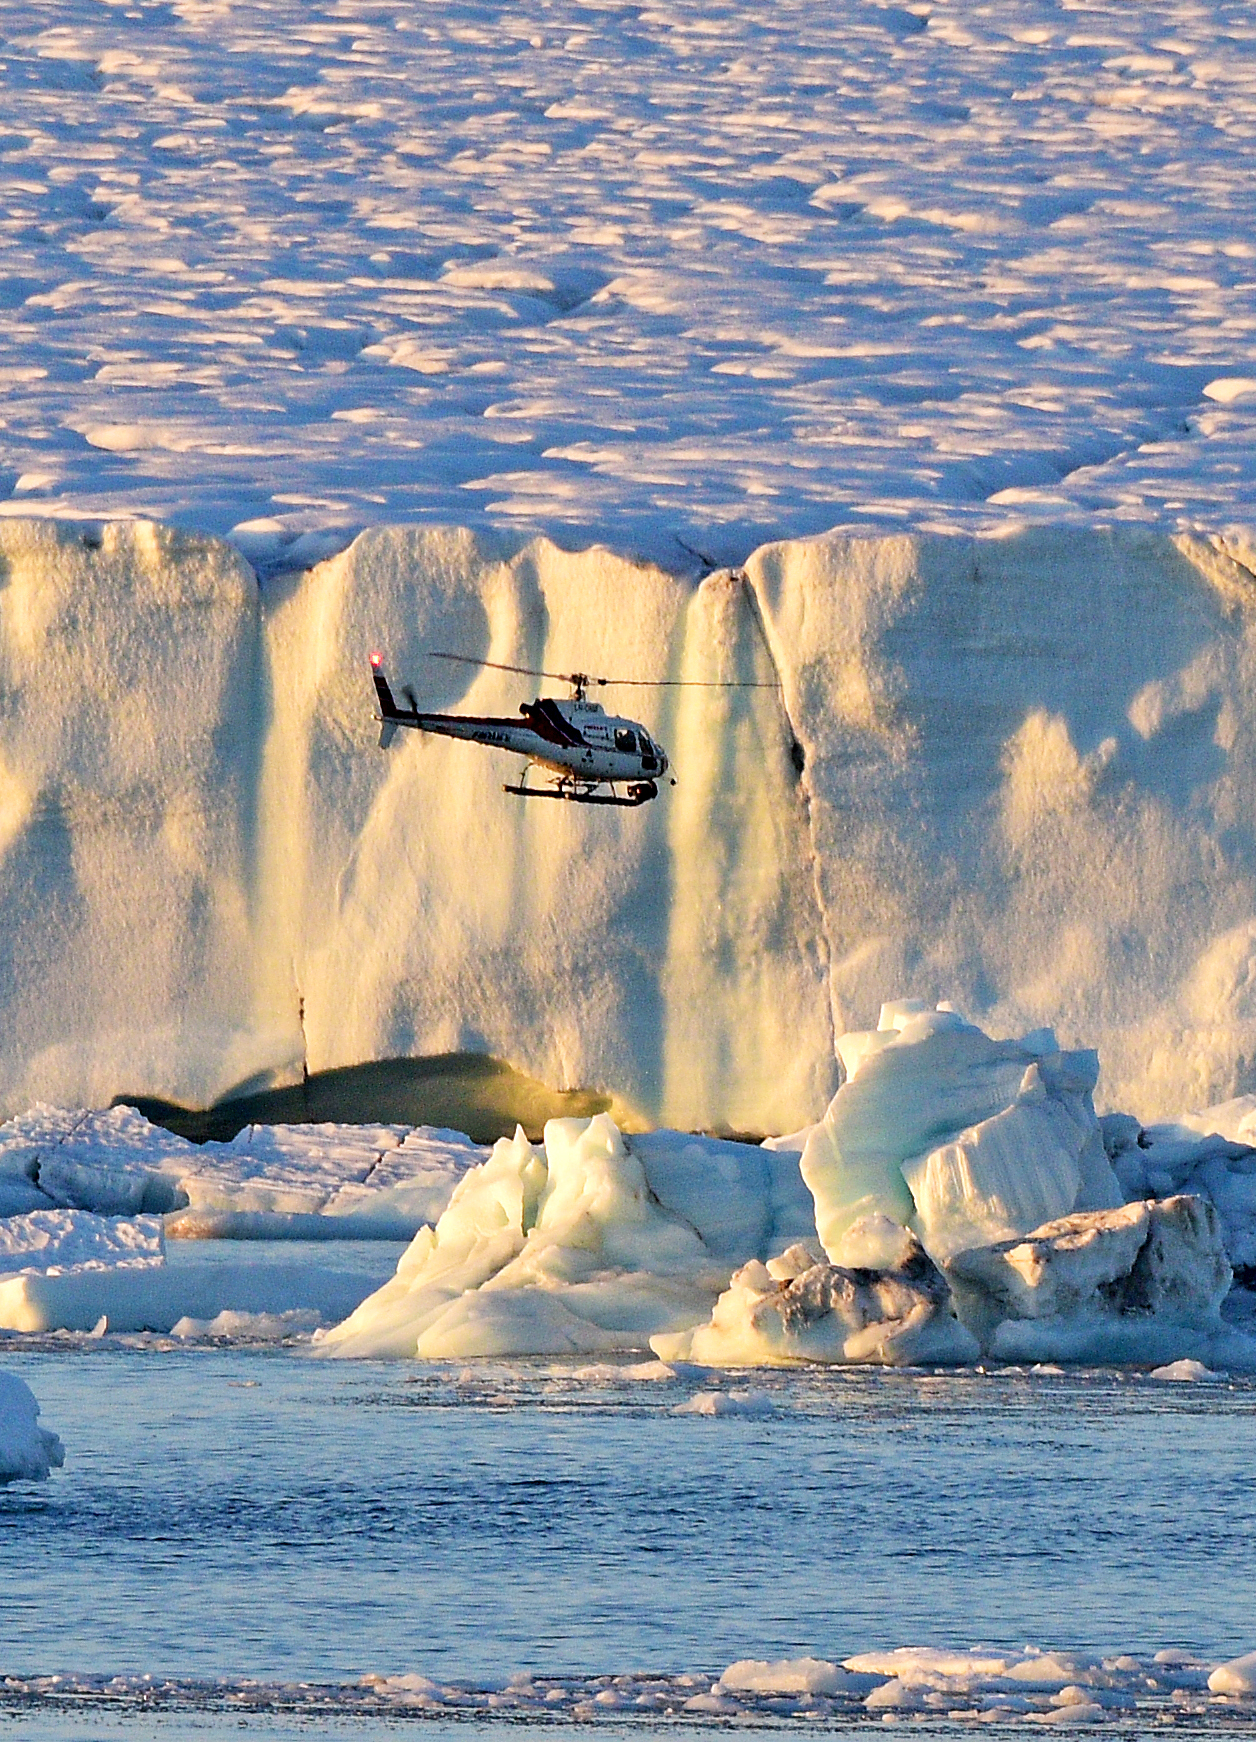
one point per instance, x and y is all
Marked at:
(28, 1452)
(556, 1249)
(588, 1242)
(963, 1138)
(957, 1197)
(1143, 1282)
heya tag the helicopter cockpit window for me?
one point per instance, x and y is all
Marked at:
(625, 740)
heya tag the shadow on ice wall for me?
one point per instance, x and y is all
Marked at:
(1017, 773)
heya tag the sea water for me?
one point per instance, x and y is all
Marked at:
(228, 1513)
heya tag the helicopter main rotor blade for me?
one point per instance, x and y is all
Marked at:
(650, 683)
(687, 683)
(496, 665)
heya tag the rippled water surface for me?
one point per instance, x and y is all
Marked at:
(269, 1513)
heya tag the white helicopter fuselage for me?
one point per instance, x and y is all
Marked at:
(594, 744)
(575, 739)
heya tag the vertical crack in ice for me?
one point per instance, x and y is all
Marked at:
(801, 763)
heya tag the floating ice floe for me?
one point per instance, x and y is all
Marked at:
(1163, 1689)
(73, 1270)
(27, 1451)
(794, 1675)
(237, 1327)
(1236, 1677)
(322, 1181)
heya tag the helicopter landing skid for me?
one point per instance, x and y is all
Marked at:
(639, 792)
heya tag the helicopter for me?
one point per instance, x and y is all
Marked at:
(587, 753)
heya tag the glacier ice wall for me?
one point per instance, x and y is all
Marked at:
(131, 715)
(1016, 771)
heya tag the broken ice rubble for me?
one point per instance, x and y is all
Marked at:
(27, 1451)
(1169, 1689)
(963, 1201)
(959, 1197)
(268, 1182)
(582, 1244)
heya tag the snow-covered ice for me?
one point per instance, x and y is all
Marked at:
(323, 1181)
(624, 274)
(157, 1297)
(28, 1452)
(77, 1271)
(59, 1240)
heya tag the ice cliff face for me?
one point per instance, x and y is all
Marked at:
(1015, 771)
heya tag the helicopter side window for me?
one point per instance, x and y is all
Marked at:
(625, 740)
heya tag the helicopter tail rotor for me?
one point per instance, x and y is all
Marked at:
(390, 715)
